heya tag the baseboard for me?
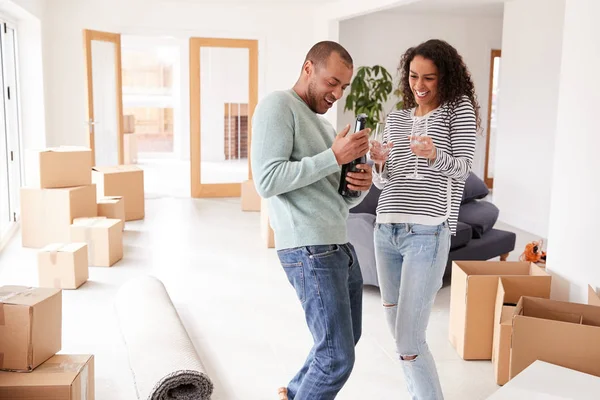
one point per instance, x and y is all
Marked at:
(10, 233)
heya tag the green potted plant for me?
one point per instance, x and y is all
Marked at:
(369, 90)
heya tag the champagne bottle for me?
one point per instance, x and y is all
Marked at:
(361, 121)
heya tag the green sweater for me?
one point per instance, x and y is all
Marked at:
(294, 167)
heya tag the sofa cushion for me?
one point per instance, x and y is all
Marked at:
(369, 203)
(480, 215)
(464, 233)
(360, 228)
(475, 189)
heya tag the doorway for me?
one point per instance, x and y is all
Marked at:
(490, 146)
(223, 95)
(104, 95)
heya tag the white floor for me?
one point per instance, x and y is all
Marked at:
(238, 308)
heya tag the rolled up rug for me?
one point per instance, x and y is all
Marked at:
(162, 358)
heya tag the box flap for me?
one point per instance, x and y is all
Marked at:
(25, 296)
(506, 315)
(63, 247)
(593, 297)
(110, 199)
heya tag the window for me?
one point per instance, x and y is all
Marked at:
(148, 92)
(10, 132)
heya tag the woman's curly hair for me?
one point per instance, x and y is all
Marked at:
(454, 79)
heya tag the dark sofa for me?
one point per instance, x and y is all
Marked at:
(475, 239)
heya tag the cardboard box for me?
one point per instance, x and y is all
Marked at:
(62, 377)
(31, 326)
(250, 198)
(112, 207)
(123, 180)
(545, 381)
(58, 167)
(265, 225)
(128, 123)
(510, 290)
(104, 239)
(561, 333)
(593, 297)
(130, 145)
(47, 214)
(63, 266)
(473, 299)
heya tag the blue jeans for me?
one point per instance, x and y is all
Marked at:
(329, 284)
(411, 260)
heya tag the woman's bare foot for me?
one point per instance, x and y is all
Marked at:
(282, 391)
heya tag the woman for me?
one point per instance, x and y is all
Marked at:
(418, 207)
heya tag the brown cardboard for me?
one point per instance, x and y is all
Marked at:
(122, 180)
(58, 167)
(472, 302)
(593, 297)
(267, 233)
(112, 207)
(510, 290)
(63, 266)
(561, 333)
(130, 147)
(47, 214)
(62, 377)
(30, 326)
(250, 198)
(128, 123)
(104, 239)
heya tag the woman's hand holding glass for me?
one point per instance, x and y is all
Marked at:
(379, 151)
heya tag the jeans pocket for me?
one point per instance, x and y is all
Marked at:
(295, 275)
(321, 251)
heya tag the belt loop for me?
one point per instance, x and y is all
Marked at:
(408, 228)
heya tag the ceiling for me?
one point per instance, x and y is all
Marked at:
(458, 7)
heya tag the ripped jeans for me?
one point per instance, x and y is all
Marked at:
(411, 260)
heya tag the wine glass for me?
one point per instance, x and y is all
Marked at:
(381, 149)
(419, 129)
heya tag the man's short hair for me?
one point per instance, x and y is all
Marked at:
(321, 51)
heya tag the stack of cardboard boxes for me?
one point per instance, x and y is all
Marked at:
(30, 337)
(76, 214)
(501, 311)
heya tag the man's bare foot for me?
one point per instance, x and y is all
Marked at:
(282, 391)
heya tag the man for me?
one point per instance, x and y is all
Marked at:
(296, 164)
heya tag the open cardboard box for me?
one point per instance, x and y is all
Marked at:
(510, 290)
(561, 333)
(473, 299)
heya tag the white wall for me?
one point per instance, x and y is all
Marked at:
(33, 7)
(381, 38)
(283, 43)
(527, 107)
(574, 216)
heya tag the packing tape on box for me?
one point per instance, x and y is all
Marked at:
(59, 367)
(87, 226)
(57, 283)
(84, 382)
(1, 360)
(4, 296)
(53, 250)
